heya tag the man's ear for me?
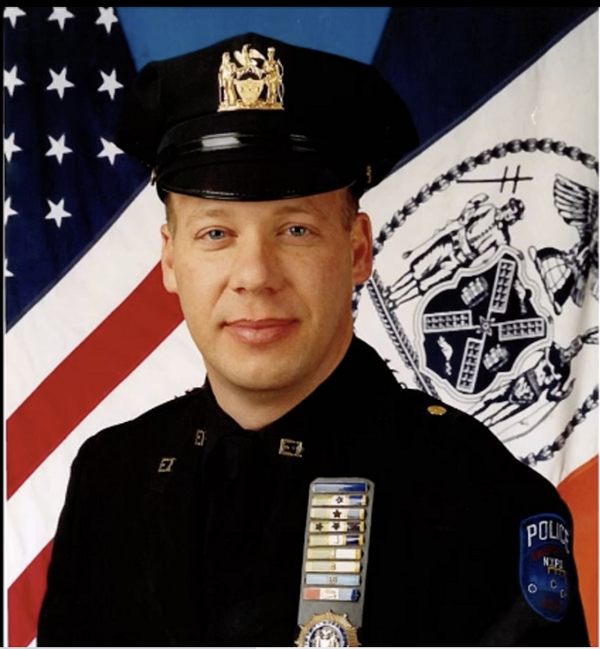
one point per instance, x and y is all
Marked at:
(362, 248)
(166, 259)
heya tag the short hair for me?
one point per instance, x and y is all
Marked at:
(350, 208)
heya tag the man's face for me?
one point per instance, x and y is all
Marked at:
(266, 287)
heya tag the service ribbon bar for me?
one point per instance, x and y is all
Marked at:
(324, 579)
(339, 500)
(336, 539)
(332, 566)
(333, 553)
(338, 594)
(336, 526)
(337, 513)
(336, 546)
(338, 487)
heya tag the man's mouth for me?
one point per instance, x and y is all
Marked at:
(261, 331)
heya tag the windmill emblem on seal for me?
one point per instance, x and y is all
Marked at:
(255, 84)
(476, 327)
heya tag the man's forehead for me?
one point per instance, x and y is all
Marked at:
(195, 207)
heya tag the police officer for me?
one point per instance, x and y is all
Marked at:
(188, 526)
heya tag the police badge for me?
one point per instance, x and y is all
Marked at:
(328, 630)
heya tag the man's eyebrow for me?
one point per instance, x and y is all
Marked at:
(307, 207)
(210, 212)
(302, 207)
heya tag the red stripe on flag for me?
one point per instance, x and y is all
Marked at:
(25, 599)
(108, 355)
(580, 491)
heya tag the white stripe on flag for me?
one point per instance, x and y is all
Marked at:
(84, 297)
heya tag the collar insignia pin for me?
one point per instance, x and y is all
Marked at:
(166, 464)
(290, 447)
(436, 410)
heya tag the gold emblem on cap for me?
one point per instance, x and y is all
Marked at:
(436, 410)
(328, 630)
(255, 84)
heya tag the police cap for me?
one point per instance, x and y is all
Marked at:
(253, 118)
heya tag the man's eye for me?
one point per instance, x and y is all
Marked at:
(214, 234)
(298, 230)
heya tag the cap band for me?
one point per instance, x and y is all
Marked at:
(235, 142)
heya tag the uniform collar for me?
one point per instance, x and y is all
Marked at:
(360, 374)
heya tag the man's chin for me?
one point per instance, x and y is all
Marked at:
(267, 379)
(287, 366)
(268, 371)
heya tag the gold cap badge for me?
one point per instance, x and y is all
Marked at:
(256, 83)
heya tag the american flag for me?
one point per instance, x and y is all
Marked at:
(84, 305)
(92, 339)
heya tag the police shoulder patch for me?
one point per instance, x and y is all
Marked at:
(545, 564)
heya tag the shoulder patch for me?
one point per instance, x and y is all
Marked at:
(545, 564)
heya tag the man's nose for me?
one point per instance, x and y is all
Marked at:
(256, 265)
